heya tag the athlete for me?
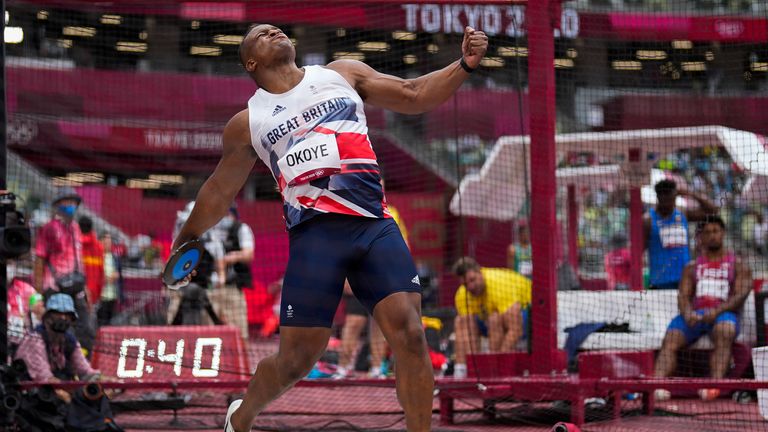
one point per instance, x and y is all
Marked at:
(665, 229)
(308, 126)
(710, 298)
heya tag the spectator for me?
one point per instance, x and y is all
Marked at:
(93, 259)
(666, 233)
(356, 319)
(112, 291)
(59, 264)
(51, 352)
(519, 255)
(20, 301)
(617, 264)
(711, 295)
(238, 244)
(490, 302)
(395, 213)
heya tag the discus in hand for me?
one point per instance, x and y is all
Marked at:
(182, 263)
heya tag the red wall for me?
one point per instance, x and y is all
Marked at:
(652, 112)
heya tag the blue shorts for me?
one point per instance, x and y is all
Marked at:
(692, 334)
(482, 326)
(327, 249)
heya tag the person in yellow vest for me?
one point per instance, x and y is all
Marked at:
(400, 223)
(491, 302)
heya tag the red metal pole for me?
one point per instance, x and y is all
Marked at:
(573, 228)
(541, 97)
(637, 242)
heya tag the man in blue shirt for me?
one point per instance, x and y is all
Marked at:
(666, 233)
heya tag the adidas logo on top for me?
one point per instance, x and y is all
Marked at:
(278, 110)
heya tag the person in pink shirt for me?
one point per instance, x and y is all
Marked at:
(58, 245)
(19, 293)
(617, 263)
(58, 252)
(50, 352)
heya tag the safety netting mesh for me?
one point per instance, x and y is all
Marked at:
(657, 202)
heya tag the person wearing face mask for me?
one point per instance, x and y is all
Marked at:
(59, 263)
(51, 352)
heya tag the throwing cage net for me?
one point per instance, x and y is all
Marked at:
(543, 185)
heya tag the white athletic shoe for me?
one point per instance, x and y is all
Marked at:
(662, 395)
(341, 373)
(232, 408)
(376, 373)
(460, 371)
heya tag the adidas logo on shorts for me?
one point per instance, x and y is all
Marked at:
(278, 110)
(416, 280)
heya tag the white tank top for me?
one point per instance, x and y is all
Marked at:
(314, 139)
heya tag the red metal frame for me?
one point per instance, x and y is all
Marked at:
(534, 388)
(637, 242)
(573, 228)
(541, 94)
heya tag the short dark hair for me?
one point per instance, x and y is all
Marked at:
(86, 224)
(240, 47)
(710, 219)
(618, 240)
(464, 265)
(665, 186)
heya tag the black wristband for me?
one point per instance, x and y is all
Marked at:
(465, 66)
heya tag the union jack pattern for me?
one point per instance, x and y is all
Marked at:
(333, 108)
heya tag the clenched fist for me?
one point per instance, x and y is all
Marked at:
(474, 46)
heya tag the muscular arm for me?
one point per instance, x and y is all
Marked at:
(218, 192)
(685, 291)
(741, 290)
(418, 95)
(706, 207)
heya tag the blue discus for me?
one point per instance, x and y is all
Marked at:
(183, 261)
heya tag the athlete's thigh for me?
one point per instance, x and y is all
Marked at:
(385, 267)
(314, 278)
(690, 333)
(727, 318)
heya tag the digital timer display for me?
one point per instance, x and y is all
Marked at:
(136, 348)
(194, 352)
